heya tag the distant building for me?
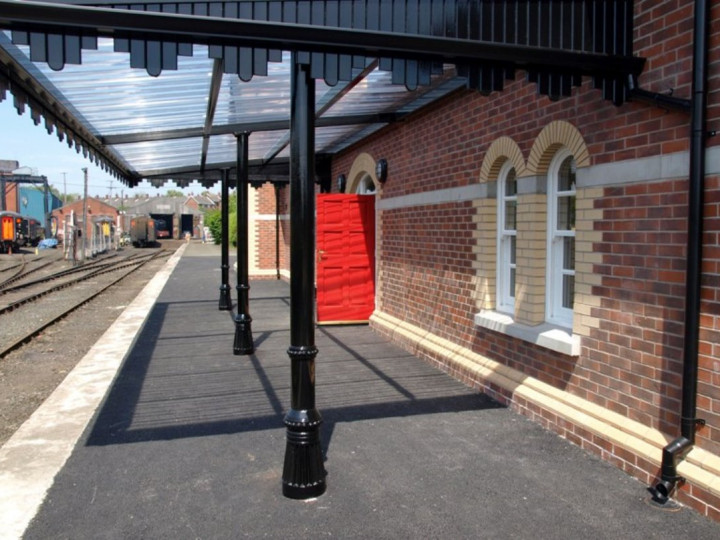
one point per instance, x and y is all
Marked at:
(64, 215)
(203, 202)
(177, 215)
(23, 191)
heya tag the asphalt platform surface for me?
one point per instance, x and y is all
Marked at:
(189, 443)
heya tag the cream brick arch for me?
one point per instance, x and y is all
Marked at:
(554, 136)
(500, 150)
(364, 165)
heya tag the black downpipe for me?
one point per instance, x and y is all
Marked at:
(678, 449)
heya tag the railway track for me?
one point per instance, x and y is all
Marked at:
(46, 300)
(21, 270)
(57, 280)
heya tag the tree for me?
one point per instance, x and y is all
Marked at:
(213, 221)
(174, 193)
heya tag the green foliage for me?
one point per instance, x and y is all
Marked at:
(232, 228)
(213, 221)
(174, 193)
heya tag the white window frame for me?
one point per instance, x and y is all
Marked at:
(366, 186)
(555, 312)
(505, 301)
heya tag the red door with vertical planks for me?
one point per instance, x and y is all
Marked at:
(345, 258)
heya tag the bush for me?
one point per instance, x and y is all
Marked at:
(213, 221)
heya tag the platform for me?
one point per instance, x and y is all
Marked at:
(182, 439)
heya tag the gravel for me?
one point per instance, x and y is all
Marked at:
(29, 374)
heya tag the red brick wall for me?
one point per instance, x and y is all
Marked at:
(635, 356)
(631, 363)
(708, 401)
(265, 229)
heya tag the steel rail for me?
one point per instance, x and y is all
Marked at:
(17, 342)
(4, 289)
(65, 284)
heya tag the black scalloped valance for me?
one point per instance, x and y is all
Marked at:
(600, 27)
(62, 124)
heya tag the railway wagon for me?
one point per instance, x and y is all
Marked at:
(10, 232)
(143, 231)
(32, 231)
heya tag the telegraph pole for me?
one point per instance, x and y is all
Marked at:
(84, 219)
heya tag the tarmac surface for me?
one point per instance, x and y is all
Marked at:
(186, 440)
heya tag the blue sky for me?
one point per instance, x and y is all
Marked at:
(21, 140)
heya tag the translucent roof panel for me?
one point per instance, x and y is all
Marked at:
(328, 137)
(263, 99)
(173, 153)
(373, 94)
(376, 93)
(223, 148)
(126, 109)
(113, 98)
(351, 137)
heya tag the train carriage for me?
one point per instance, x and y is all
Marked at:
(32, 231)
(11, 237)
(143, 231)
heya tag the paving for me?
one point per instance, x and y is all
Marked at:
(187, 441)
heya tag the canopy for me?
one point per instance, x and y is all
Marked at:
(221, 68)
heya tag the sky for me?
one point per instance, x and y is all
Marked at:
(21, 140)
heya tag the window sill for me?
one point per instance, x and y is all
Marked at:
(550, 336)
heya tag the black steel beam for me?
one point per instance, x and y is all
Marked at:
(252, 127)
(243, 321)
(303, 470)
(131, 24)
(279, 167)
(213, 93)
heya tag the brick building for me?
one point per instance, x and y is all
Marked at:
(95, 208)
(536, 250)
(269, 232)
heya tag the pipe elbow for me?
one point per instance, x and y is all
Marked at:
(671, 456)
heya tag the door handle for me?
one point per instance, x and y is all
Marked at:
(321, 252)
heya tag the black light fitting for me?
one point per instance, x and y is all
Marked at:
(341, 183)
(381, 168)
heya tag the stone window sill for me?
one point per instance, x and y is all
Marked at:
(550, 336)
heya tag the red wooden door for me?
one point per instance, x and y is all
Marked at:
(345, 258)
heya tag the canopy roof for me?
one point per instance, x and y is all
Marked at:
(208, 84)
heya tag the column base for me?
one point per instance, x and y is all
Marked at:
(225, 303)
(244, 344)
(304, 472)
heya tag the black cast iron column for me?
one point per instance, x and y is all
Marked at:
(303, 472)
(225, 299)
(276, 185)
(243, 333)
